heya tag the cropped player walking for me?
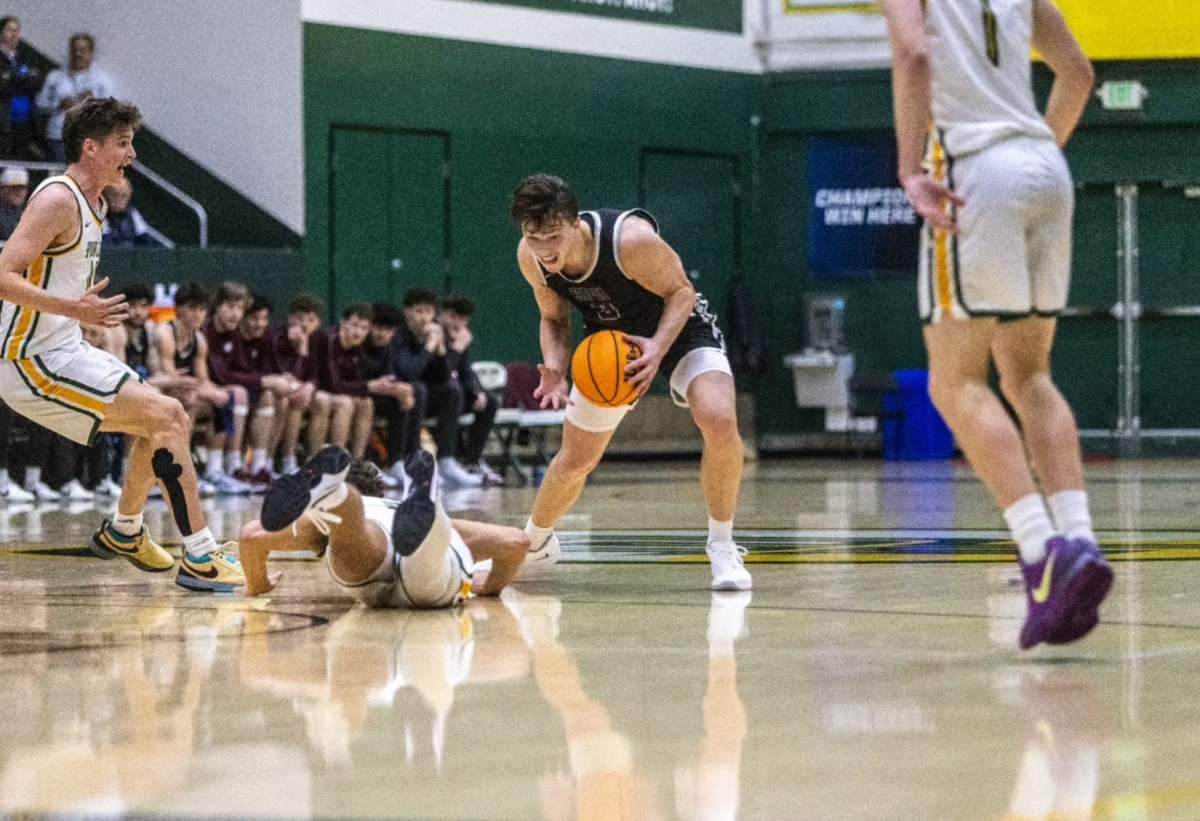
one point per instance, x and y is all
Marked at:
(50, 375)
(997, 199)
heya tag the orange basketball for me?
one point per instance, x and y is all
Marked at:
(598, 368)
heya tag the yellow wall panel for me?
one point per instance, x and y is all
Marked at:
(1121, 29)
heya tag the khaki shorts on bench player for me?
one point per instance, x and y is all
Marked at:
(67, 391)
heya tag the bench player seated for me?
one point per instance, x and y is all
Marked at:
(382, 553)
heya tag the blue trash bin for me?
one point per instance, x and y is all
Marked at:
(919, 434)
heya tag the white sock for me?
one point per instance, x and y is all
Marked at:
(213, 466)
(290, 465)
(233, 461)
(32, 477)
(258, 460)
(1070, 510)
(1030, 525)
(719, 531)
(537, 535)
(127, 524)
(200, 544)
(4, 479)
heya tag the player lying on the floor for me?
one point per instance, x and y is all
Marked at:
(382, 553)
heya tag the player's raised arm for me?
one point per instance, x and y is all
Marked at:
(554, 333)
(1073, 72)
(50, 219)
(654, 265)
(912, 80)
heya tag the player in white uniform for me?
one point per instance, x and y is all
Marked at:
(382, 553)
(996, 196)
(50, 375)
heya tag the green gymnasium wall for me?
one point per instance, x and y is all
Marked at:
(1148, 147)
(492, 114)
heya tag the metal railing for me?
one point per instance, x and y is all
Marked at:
(1129, 312)
(157, 179)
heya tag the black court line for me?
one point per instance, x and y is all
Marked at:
(855, 611)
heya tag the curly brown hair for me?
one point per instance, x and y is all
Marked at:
(364, 477)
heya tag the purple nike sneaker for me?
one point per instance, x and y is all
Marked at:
(1064, 592)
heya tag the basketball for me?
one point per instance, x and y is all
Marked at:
(598, 368)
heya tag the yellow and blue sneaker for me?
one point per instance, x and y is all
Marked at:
(140, 550)
(218, 572)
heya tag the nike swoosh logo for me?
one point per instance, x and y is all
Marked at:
(117, 547)
(1042, 591)
(211, 573)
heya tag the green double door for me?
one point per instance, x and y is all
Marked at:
(390, 214)
(696, 200)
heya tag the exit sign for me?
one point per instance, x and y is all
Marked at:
(1122, 95)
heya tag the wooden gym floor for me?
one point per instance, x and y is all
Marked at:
(872, 674)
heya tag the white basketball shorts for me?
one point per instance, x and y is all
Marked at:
(66, 391)
(1012, 256)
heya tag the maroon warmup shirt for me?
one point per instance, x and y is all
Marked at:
(226, 361)
(287, 360)
(338, 370)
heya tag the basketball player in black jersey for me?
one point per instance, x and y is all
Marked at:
(622, 276)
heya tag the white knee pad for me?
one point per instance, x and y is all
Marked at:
(694, 363)
(586, 415)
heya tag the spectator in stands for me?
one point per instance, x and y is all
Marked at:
(401, 411)
(19, 85)
(182, 363)
(455, 319)
(124, 224)
(291, 345)
(140, 354)
(278, 388)
(14, 190)
(66, 87)
(225, 468)
(342, 373)
(420, 351)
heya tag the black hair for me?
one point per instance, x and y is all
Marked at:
(258, 302)
(387, 316)
(137, 292)
(420, 296)
(460, 304)
(362, 310)
(191, 294)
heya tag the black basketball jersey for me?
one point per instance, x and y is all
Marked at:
(606, 296)
(137, 351)
(185, 356)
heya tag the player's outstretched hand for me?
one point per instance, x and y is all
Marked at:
(93, 309)
(640, 372)
(553, 390)
(928, 198)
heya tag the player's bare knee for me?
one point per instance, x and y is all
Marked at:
(240, 395)
(166, 417)
(718, 424)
